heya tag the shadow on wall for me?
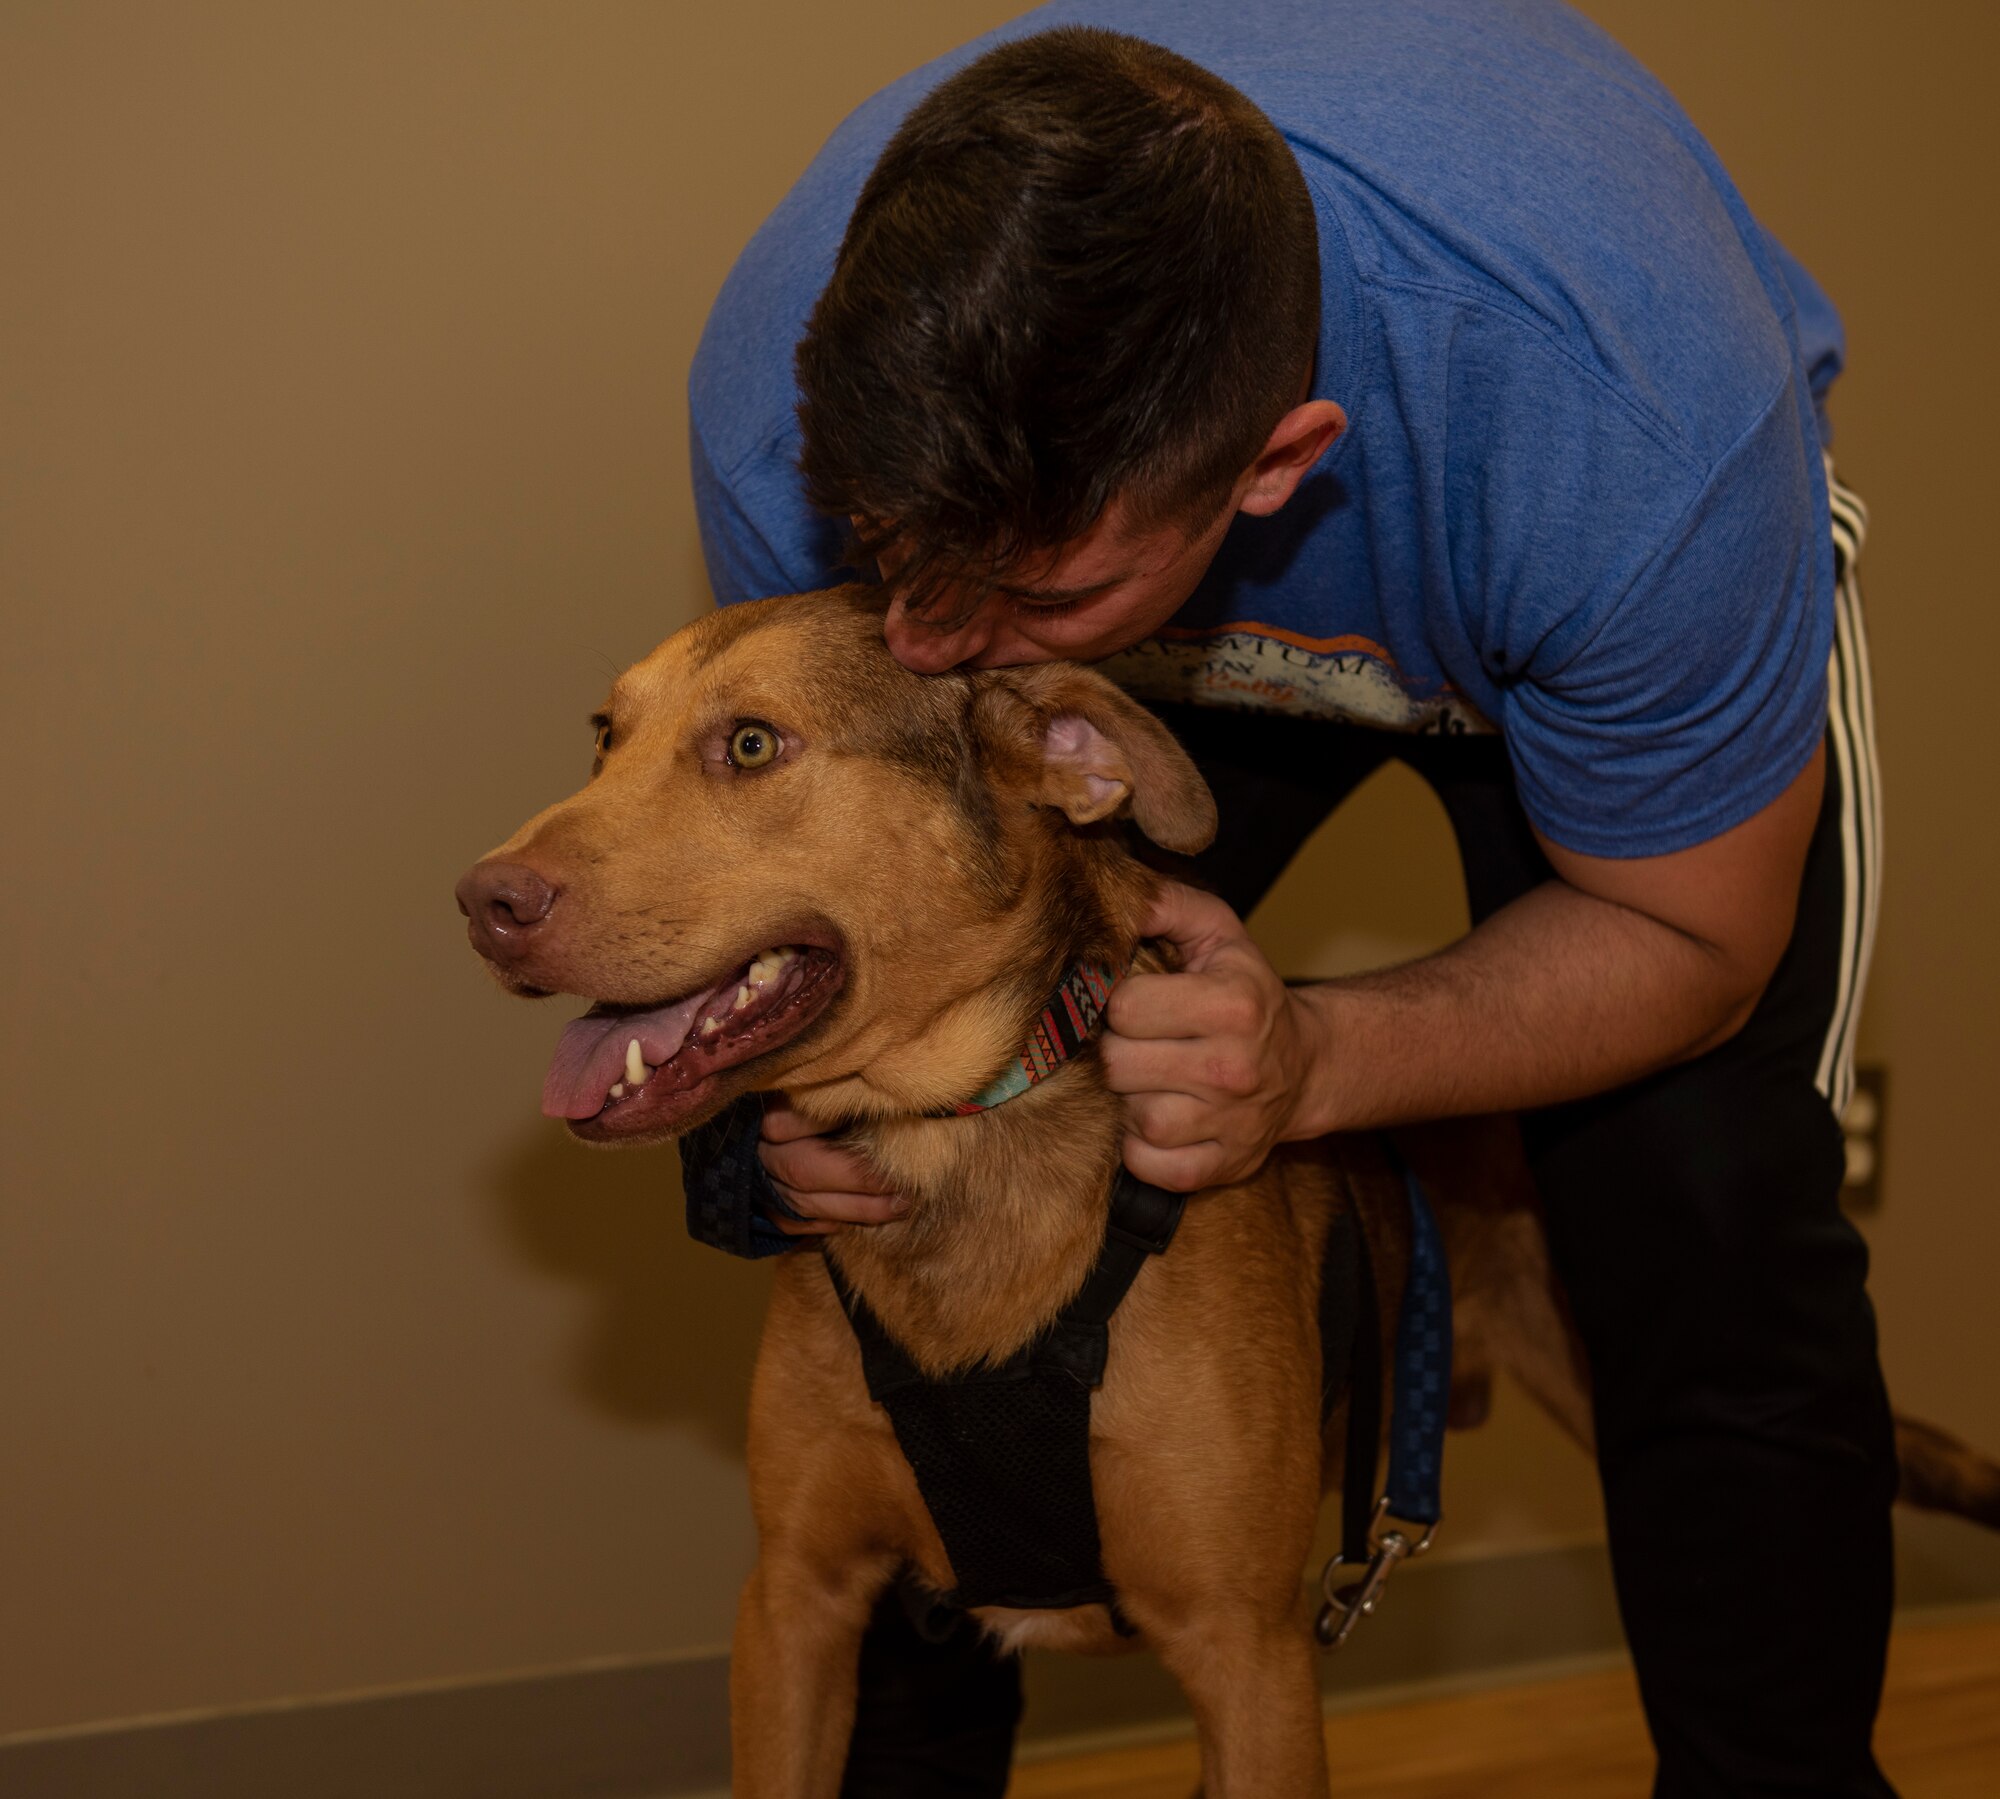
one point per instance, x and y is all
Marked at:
(673, 1330)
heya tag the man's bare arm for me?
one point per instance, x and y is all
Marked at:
(1614, 969)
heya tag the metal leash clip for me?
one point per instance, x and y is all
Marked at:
(1347, 1605)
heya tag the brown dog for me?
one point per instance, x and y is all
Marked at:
(799, 867)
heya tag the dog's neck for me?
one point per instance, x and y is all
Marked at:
(1007, 1211)
(1007, 1205)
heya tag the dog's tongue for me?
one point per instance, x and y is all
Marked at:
(591, 1054)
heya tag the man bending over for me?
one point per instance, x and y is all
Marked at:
(1401, 379)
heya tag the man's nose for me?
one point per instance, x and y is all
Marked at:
(927, 650)
(505, 905)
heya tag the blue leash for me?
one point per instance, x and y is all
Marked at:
(1422, 1392)
(1420, 1395)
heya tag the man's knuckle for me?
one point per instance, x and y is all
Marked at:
(806, 1204)
(1232, 1011)
(1141, 1157)
(1231, 1074)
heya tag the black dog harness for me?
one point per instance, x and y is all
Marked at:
(1002, 1454)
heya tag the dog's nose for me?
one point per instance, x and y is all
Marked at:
(505, 903)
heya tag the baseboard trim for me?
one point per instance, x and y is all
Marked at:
(657, 1728)
(642, 1729)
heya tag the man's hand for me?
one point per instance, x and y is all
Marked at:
(1214, 1062)
(828, 1186)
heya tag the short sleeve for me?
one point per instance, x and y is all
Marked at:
(1697, 695)
(1656, 626)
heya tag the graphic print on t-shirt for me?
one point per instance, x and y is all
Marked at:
(1265, 668)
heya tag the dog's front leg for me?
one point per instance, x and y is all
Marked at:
(792, 1674)
(1254, 1687)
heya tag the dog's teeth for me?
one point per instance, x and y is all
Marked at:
(742, 999)
(709, 1026)
(617, 1089)
(769, 966)
(635, 1065)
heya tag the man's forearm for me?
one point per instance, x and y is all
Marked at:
(1555, 996)
(1613, 968)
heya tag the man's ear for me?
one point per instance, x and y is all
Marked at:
(1092, 751)
(1297, 442)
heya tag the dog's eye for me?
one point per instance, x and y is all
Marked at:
(602, 726)
(751, 746)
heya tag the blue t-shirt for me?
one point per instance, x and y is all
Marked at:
(1581, 498)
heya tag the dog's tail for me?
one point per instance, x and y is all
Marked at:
(1941, 1474)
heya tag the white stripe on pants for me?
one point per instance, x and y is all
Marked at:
(1851, 727)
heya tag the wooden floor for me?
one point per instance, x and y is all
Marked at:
(1582, 1738)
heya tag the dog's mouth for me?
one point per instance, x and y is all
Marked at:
(629, 1071)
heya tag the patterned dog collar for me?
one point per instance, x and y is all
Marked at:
(1067, 1023)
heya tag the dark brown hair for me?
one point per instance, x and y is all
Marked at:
(1083, 267)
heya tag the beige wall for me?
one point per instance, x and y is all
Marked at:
(342, 464)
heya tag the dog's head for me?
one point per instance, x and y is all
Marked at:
(797, 864)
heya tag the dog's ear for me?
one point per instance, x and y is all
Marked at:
(1093, 751)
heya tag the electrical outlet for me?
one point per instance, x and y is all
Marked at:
(1862, 1125)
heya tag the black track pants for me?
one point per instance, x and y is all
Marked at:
(1744, 1438)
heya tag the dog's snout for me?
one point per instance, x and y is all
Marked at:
(504, 903)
